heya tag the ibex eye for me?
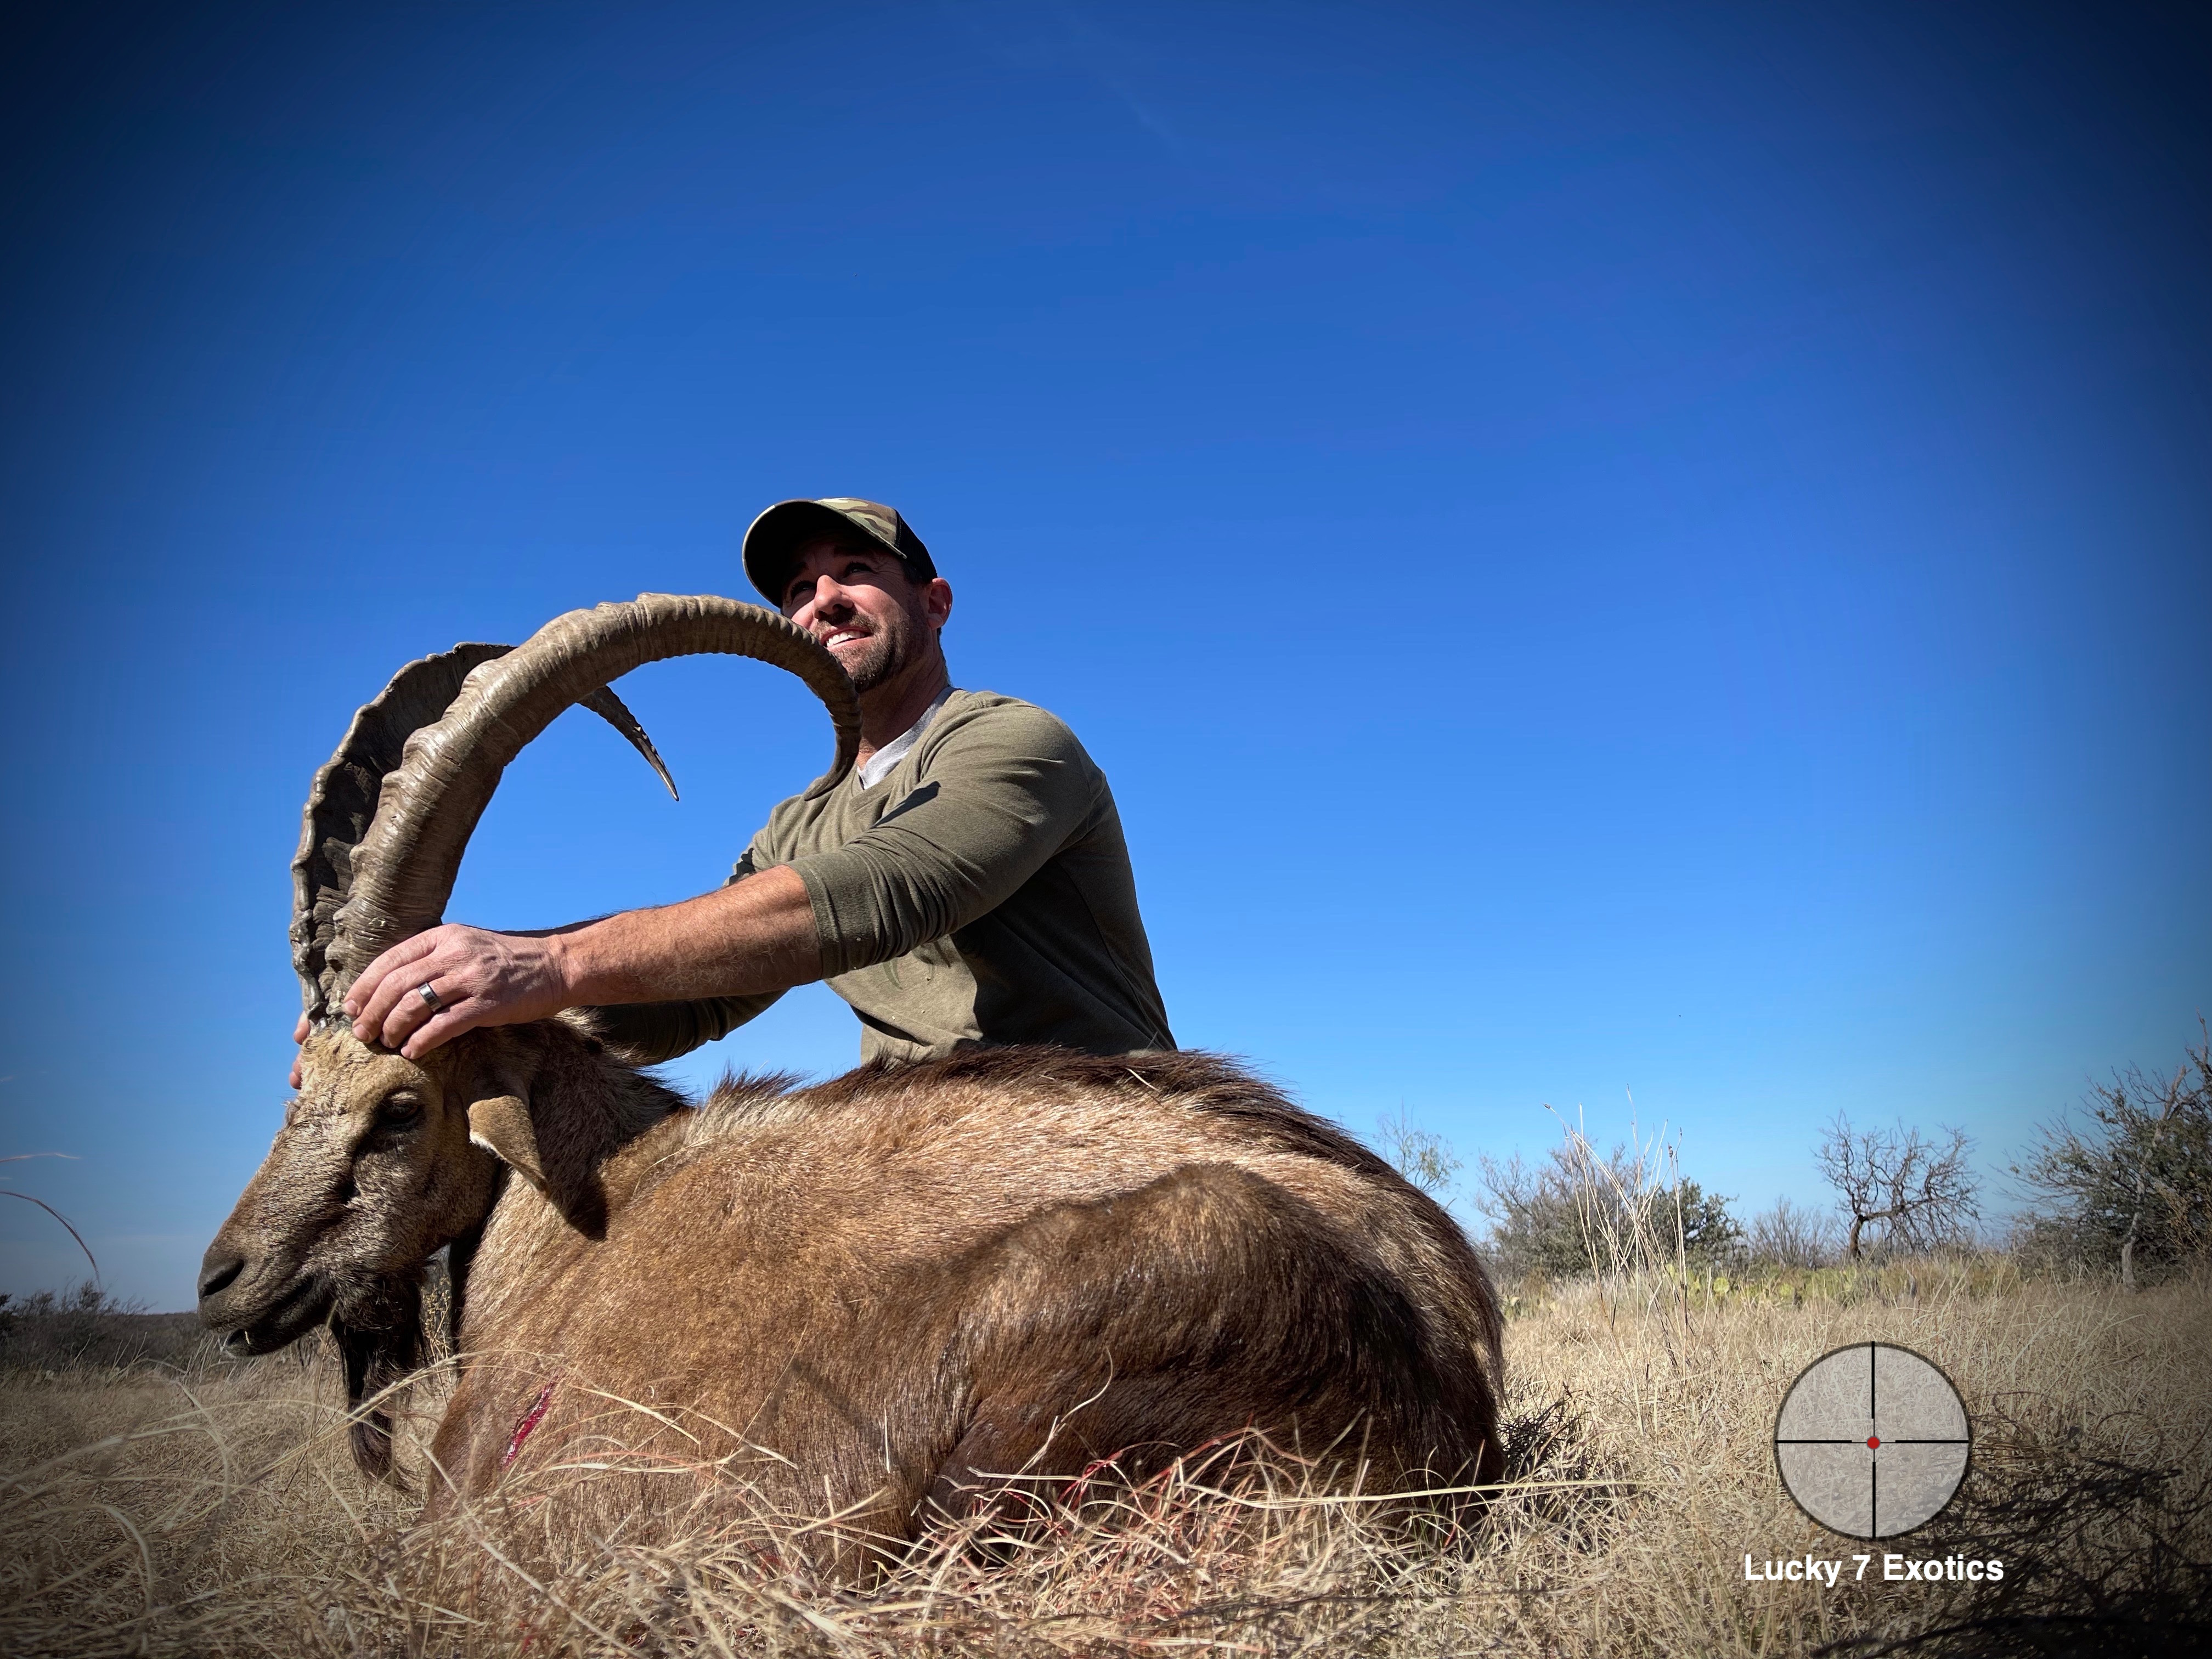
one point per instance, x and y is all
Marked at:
(400, 1109)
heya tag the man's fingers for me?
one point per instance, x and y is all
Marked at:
(374, 1023)
(404, 1011)
(408, 951)
(300, 1030)
(400, 974)
(441, 1029)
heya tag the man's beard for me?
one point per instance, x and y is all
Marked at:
(881, 655)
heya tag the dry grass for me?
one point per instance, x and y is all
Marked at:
(217, 1513)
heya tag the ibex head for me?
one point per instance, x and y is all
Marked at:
(383, 1161)
(371, 1175)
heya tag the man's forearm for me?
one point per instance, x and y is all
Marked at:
(757, 935)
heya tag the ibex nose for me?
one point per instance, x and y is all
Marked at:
(218, 1274)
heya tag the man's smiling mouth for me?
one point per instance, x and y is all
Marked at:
(837, 636)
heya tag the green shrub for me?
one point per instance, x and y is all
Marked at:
(1579, 1212)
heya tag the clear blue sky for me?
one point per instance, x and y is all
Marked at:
(1602, 548)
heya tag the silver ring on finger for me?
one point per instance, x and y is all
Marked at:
(430, 995)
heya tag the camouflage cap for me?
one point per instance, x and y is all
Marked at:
(780, 531)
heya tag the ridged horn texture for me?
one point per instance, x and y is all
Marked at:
(403, 868)
(342, 801)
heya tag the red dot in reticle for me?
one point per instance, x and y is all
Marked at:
(1873, 1441)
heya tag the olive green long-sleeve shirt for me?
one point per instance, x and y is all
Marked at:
(979, 893)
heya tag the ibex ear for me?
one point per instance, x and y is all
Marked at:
(561, 1167)
(502, 1127)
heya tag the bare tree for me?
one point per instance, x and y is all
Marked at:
(1791, 1235)
(1917, 1188)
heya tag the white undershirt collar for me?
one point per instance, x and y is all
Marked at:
(878, 766)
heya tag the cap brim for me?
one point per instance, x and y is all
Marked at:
(775, 536)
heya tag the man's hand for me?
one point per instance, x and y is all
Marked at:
(751, 936)
(481, 979)
(299, 1034)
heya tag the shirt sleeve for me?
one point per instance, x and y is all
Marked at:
(1000, 794)
(647, 1033)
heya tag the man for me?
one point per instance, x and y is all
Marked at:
(968, 885)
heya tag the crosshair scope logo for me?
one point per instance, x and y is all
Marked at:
(1871, 1440)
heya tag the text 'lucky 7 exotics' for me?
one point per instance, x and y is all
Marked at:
(1822, 1570)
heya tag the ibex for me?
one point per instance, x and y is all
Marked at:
(875, 1294)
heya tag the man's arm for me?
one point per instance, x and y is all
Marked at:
(754, 937)
(1004, 794)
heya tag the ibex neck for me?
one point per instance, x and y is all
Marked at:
(568, 1128)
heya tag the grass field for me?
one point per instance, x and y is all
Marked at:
(211, 1509)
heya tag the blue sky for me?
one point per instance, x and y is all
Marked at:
(1603, 550)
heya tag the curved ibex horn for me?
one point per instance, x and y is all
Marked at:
(403, 869)
(342, 800)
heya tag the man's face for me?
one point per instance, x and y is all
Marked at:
(858, 601)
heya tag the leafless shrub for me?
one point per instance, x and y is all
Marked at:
(1422, 1156)
(1791, 1235)
(1914, 1191)
(2132, 1185)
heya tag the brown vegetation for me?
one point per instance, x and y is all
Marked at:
(215, 1512)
